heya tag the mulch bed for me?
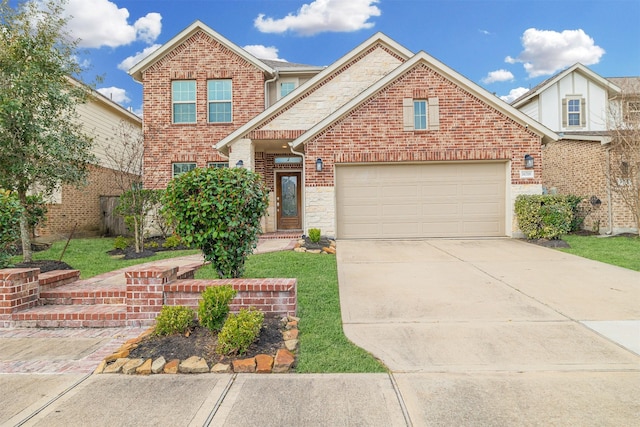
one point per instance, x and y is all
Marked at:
(151, 246)
(45, 265)
(202, 342)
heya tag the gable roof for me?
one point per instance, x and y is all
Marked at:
(284, 66)
(137, 70)
(577, 67)
(300, 91)
(422, 57)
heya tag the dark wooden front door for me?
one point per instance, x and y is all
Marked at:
(288, 200)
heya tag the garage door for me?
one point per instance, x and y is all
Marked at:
(420, 200)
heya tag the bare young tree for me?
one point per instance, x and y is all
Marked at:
(623, 171)
(125, 156)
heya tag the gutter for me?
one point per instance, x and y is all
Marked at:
(609, 198)
(266, 89)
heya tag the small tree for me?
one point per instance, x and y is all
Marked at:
(41, 140)
(218, 210)
(10, 214)
(125, 157)
(623, 170)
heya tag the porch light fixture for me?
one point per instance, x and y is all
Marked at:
(319, 165)
(528, 161)
(240, 164)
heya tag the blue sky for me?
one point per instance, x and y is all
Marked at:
(504, 46)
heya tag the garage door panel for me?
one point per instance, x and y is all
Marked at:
(421, 200)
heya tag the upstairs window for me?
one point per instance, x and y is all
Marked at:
(573, 112)
(286, 88)
(421, 114)
(183, 98)
(219, 99)
(218, 164)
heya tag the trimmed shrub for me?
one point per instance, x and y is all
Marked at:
(218, 210)
(10, 212)
(240, 331)
(36, 212)
(544, 216)
(172, 241)
(174, 320)
(214, 306)
(314, 235)
(121, 243)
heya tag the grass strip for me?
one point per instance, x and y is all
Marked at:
(621, 251)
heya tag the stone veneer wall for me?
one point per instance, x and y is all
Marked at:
(320, 210)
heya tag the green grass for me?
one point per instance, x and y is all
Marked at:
(91, 258)
(620, 251)
(323, 345)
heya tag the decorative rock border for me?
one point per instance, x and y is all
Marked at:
(326, 246)
(282, 362)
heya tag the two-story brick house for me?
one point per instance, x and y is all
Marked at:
(383, 143)
(578, 104)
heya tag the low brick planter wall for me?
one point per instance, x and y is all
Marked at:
(19, 289)
(148, 290)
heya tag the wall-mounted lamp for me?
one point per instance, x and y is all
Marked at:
(595, 201)
(239, 164)
(528, 161)
(319, 165)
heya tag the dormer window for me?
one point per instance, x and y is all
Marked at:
(286, 86)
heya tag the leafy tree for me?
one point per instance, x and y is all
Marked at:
(623, 170)
(218, 210)
(41, 141)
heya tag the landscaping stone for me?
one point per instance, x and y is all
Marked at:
(158, 365)
(264, 363)
(100, 367)
(300, 250)
(284, 361)
(291, 334)
(329, 250)
(115, 367)
(120, 354)
(244, 365)
(193, 365)
(291, 345)
(314, 251)
(221, 368)
(292, 324)
(145, 368)
(131, 366)
(172, 367)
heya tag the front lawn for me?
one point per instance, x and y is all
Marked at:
(323, 345)
(91, 258)
(620, 251)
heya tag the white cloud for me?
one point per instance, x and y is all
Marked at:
(514, 94)
(546, 52)
(263, 52)
(498, 76)
(115, 94)
(100, 23)
(323, 15)
(130, 61)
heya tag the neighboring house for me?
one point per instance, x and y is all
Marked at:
(79, 207)
(383, 143)
(577, 103)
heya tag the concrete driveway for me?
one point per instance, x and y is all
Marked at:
(496, 331)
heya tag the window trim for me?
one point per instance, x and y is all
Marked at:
(566, 114)
(220, 101)
(432, 114)
(173, 168)
(217, 164)
(294, 80)
(194, 102)
(420, 116)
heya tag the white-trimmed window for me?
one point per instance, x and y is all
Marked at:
(219, 101)
(183, 99)
(573, 111)
(421, 114)
(180, 168)
(286, 86)
(218, 164)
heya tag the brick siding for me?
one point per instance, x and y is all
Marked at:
(80, 205)
(199, 58)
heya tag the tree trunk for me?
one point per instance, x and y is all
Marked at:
(25, 236)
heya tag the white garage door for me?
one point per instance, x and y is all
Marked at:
(421, 200)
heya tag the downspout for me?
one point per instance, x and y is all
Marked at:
(266, 89)
(304, 179)
(609, 198)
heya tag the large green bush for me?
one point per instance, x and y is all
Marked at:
(546, 216)
(214, 306)
(218, 210)
(240, 331)
(10, 212)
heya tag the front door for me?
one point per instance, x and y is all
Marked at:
(288, 200)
